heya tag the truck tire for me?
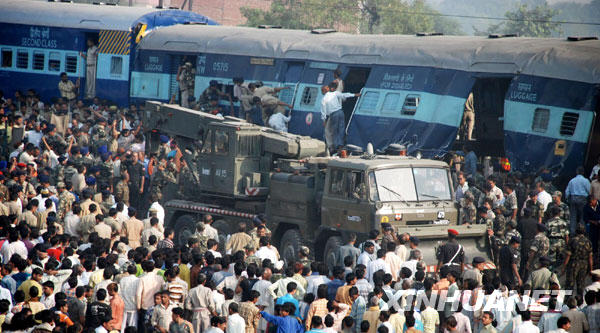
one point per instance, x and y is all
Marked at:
(333, 243)
(185, 227)
(290, 246)
(224, 230)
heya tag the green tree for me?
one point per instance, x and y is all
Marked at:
(536, 22)
(364, 16)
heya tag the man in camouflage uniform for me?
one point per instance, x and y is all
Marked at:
(303, 256)
(579, 260)
(557, 202)
(54, 140)
(495, 240)
(250, 257)
(122, 188)
(163, 149)
(70, 170)
(106, 171)
(539, 247)
(558, 233)
(58, 174)
(202, 239)
(468, 212)
(3, 187)
(99, 136)
(537, 208)
(511, 231)
(510, 202)
(65, 199)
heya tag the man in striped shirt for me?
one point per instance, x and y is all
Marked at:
(176, 287)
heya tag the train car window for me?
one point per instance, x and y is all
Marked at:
(7, 60)
(368, 102)
(22, 59)
(411, 104)
(541, 117)
(390, 103)
(71, 63)
(309, 96)
(221, 142)
(569, 123)
(54, 62)
(38, 60)
(116, 65)
(287, 95)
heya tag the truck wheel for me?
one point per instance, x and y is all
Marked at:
(224, 229)
(185, 227)
(290, 246)
(333, 243)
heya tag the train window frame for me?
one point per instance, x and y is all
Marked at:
(309, 96)
(568, 126)
(20, 63)
(7, 54)
(38, 61)
(394, 108)
(410, 110)
(540, 121)
(116, 66)
(53, 59)
(69, 64)
(370, 108)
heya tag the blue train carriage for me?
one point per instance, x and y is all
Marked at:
(414, 87)
(40, 40)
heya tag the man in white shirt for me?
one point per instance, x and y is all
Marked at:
(13, 246)
(72, 220)
(462, 187)
(377, 265)
(235, 322)
(544, 197)
(264, 252)
(279, 121)
(209, 231)
(366, 256)
(332, 115)
(527, 325)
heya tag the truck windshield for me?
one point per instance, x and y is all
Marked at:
(399, 184)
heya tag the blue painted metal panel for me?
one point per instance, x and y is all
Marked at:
(528, 152)
(107, 71)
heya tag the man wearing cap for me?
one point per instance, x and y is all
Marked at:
(163, 149)
(212, 91)
(579, 259)
(557, 202)
(595, 285)
(539, 247)
(537, 208)
(451, 254)
(185, 78)
(509, 262)
(541, 278)
(558, 234)
(475, 272)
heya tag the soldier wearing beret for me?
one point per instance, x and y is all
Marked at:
(451, 254)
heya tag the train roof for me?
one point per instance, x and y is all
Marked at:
(548, 57)
(93, 17)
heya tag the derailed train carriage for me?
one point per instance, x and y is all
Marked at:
(39, 40)
(536, 100)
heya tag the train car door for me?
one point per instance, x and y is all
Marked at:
(291, 78)
(593, 150)
(488, 102)
(354, 81)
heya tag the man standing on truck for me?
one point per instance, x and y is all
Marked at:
(333, 115)
(451, 254)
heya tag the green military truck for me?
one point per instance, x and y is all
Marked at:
(239, 170)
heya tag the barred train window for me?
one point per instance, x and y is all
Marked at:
(309, 96)
(541, 117)
(411, 104)
(38, 60)
(7, 60)
(368, 102)
(116, 65)
(71, 64)
(569, 123)
(54, 62)
(23, 59)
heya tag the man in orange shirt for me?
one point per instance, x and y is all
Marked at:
(117, 306)
(62, 309)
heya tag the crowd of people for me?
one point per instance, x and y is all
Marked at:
(85, 248)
